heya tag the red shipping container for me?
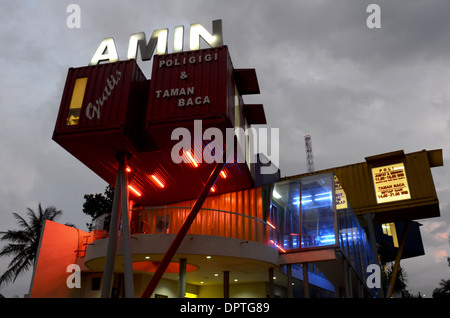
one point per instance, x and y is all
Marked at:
(191, 85)
(102, 113)
(106, 109)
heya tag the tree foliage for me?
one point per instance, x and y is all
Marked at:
(23, 243)
(443, 291)
(98, 204)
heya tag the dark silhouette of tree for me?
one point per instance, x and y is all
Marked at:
(443, 291)
(400, 281)
(98, 204)
(24, 242)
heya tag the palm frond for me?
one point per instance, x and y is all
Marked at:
(23, 243)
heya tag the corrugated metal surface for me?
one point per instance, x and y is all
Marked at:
(203, 78)
(357, 182)
(244, 222)
(181, 181)
(115, 97)
(95, 142)
(121, 125)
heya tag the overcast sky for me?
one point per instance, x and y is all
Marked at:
(357, 91)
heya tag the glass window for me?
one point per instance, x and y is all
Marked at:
(317, 210)
(285, 211)
(95, 283)
(76, 102)
(302, 212)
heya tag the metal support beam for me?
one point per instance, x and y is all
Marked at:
(271, 282)
(127, 261)
(226, 284)
(183, 230)
(305, 280)
(119, 212)
(398, 257)
(108, 271)
(373, 243)
(182, 278)
(289, 280)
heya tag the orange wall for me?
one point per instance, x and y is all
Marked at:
(57, 250)
(207, 222)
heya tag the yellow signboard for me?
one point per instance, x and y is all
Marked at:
(390, 183)
(339, 193)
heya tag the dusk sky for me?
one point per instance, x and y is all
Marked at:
(358, 92)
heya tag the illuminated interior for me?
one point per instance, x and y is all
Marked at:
(76, 102)
(389, 229)
(312, 212)
(306, 222)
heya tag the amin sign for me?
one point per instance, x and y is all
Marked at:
(159, 41)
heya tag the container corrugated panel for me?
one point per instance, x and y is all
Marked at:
(95, 138)
(357, 182)
(191, 85)
(114, 97)
(237, 214)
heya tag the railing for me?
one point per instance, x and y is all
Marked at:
(169, 219)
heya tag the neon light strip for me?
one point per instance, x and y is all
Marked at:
(192, 159)
(278, 246)
(134, 190)
(270, 224)
(157, 181)
(325, 198)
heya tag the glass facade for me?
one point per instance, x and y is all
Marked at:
(308, 213)
(302, 212)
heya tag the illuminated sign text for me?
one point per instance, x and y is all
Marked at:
(159, 41)
(95, 109)
(390, 183)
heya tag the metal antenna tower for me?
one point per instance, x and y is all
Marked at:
(309, 153)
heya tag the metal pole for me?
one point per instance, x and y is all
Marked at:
(108, 271)
(226, 284)
(271, 282)
(398, 258)
(289, 280)
(182, 278)
(305, 280)
(127, 261)
(183, 230)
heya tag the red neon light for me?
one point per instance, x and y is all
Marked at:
(155, 178)
(134, 190)
(128, 169)
(213, 189)
(278, 246)
(192, 159)
(271, 225)
(223, 174)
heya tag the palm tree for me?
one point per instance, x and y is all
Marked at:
(23, 243)
(400, 281)
(443, 290)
